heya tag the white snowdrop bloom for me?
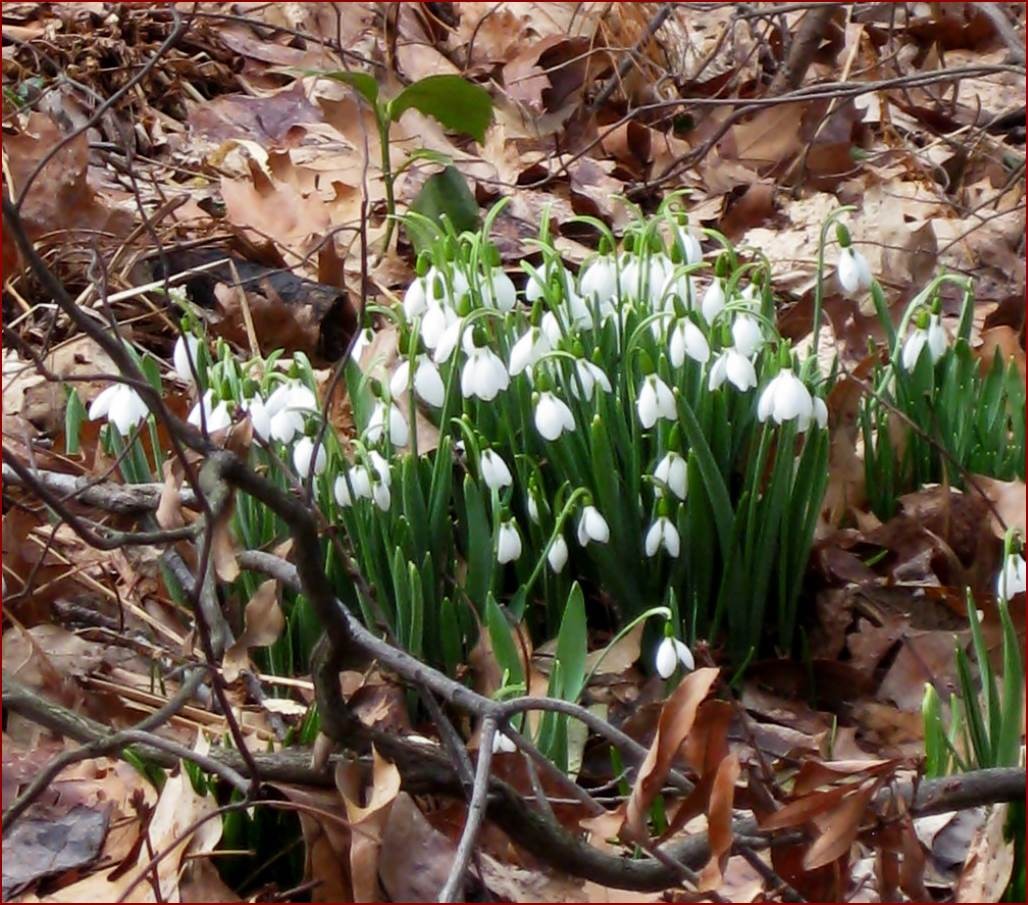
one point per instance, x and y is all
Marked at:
(447, 341)
(671, 652)
(592, 526)
(747, 337)
(552, 416)
(398, 429)
(786, 398)
(934, 337)
(483, 374)
(216, 417)
(672, 472)
(121, 405)
(435, 324)
(599, 282)
(285, 408)
(659, 277)
(684, 287)
(557, 555)
(1011, 578)
(381, 494)
(630, 277)
(186, 350)
(360, 480)
(734, 367)
(688, 340)
(913, 347)
(415, 299)
(428, 383)
(938, 341)
(532, 508)
(508, 542)
(663, 533)
(713, 301)
(853, 271)
(820, 412)
(535, 286)
(362, 341)
(691, 248)
(551, 328)
(380, 467)
(655, 401)
(495, 472)
(439, 292)
(532, 346)
(302, 453)
(341, 490)
(502, 744)
(499, 291)
(589, 376)
(260, 417)
(578, 313)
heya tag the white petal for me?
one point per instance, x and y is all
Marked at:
(428, 383)
(937, 339)
(508, 543)
(672, 542)
(740, 371)
(652, 543)
(746, 335)
(186, 348)
(713, 302)
(495, 471)
(683, 654)
(341, 491)
(646, 404)
(398, 431)
(401, 377)
(102, 404)
(500, 290)
(415, 299)
(596, 525)
(820, 412)
(557, 556)
(912, 348)
(666, 659)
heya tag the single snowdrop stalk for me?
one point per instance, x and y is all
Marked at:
(663, 533)
(121, 405)
(592, 526)
(747, 337)
(655, 401)
(587, 377)
(532, 346)
(216, 417)
(853, 271)
(713, 301)
(552, 416)
(303, 452)
(508, 542)
(557, 555)
(185, 357)
(736, 368)
(786, 398)
(688, 341)
(494, 470)
(398, 429)
(1011, 578)
(670, 653)
(672, 472)
(428, 382)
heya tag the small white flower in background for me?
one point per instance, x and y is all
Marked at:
(786, 398)
(483, 374)
(381, 494)
(435, 325)
(590, 376)
(499, 290)
(502, 744)
(671, 652)
(655, 401)
(121, 405)
(495, 472)
(532, 508)
(357, 481)
(415, 299)
(532, 346)
(398, 430)
(820, 413)
(363, 340)
(747, 336)
(688, 340)
(934, 337)
(853, 271)
(186, 350)
(592, 526)
(552, 416)
(216, 417)
(551, 328)
(734, 366)
(672, 472)
(663, 533)
(599, 282)
(713, 301)
(285, 408)
(438, 292)
(557, 555)
(690, 246)
(1011, 578)
(428, 382)
(508, 542)
(302, 453)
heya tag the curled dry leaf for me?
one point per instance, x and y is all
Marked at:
(263, 623)
(719, 821)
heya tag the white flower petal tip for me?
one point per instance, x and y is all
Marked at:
(672, 473)
(508, 542)
(185, 357)
(592, 526)
(557, 556)
(303, 452)
(853, 271)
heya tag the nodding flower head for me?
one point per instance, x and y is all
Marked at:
(121, 405)
(853, 271)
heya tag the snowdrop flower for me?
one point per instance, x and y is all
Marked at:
(655, 401)
(590, 376)
(786, 398)
(629, 277)
(494, 470)
(415, 299)
(302, 453)
(435, 325)
(747, 336)
(437, 290)
(592, 526)
(659, 278)
(446, 341)
(532, 346)
(535, 288)
(216, 417)
(502, 744)
(599, 282)
(508, 542)
(853, 271)
(428, 383)
(483, 374)
(737, 368)
(934, 337)
(557, 555)
(260, 417)
(713, 301)
(285, 408)
(357, 481)
(1011, 578)
(121, 405)
(398, 429)
(551, 328)
(670, 653)
(692, 251)
(186, 350)
(688, 340)
(671, 472)
(552, 416)
(499, 290)
(820, 413)
(663, 533)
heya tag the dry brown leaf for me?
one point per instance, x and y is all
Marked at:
(327, 843)
(771, 136)
(1009, 499)
(719, 817)
(169, 507)
(415, 858)
(840, 828)
(990, 861)
(263, 624)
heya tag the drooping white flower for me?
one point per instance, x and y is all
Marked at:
(590, 376)
(853, 271)
(186, 350)
(688, 340)
(341, 487)
(398, 429)
(786, 398)
(437, 290)
(557, 555)
(415, 299)
(363, 340)
(495, 472)
(820, 413)
(446, 342)
(691, 248)
(302, 453)
(598, 281)
(737, 368)
(671, 652)
(532, 508)
(535, 287)
(938, 341)
(1011, 578)
(381, 494)
(592, 526)
(532, 346)
(508, 542)
(216, 417)
(260, 417)
(552, 416)
(747, 336)
(437, 324)
(629, 277)
(934, 337)
(655, 401)
(499, 291)
(663, 533)
(713, 302)
(483, 374)
(672, 472)
(501, 743)
(121, 405)
(658, 279)
(428, 383)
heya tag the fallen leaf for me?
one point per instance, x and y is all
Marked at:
(263, 624)
(990, 861)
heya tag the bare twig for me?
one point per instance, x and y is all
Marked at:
(658, 19)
